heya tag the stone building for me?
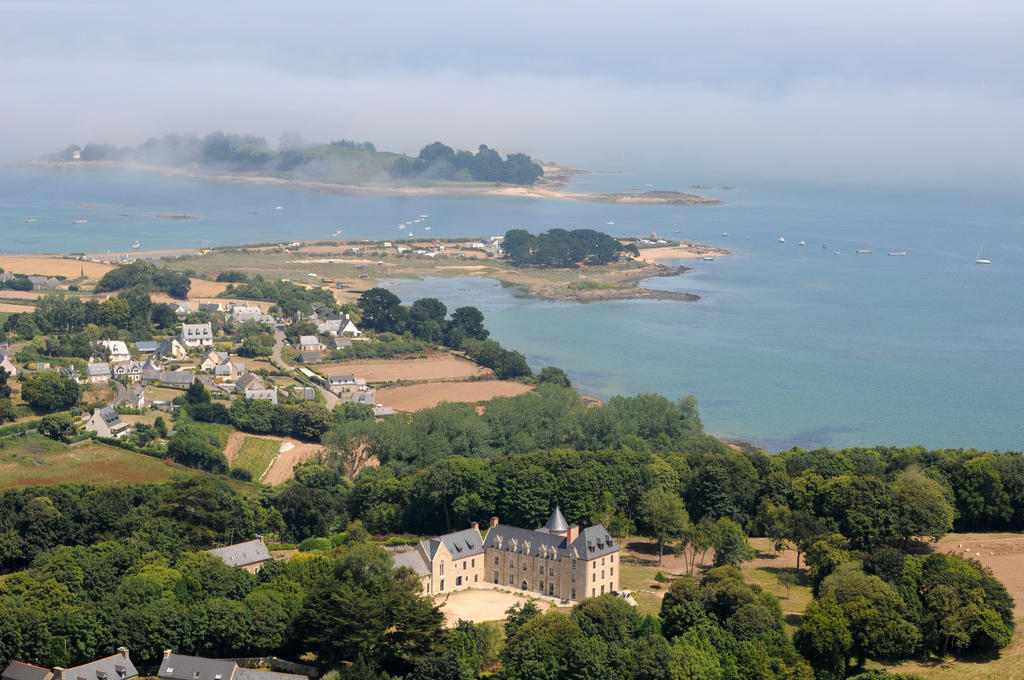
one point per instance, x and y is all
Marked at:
(556, 560)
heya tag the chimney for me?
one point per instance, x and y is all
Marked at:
(475, 526)
(574, 532)
(168, 652)
(58, 672)
(124, 652)
(494, 521)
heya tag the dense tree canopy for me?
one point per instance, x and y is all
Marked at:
(561, 248)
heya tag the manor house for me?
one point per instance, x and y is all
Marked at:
(556, 560)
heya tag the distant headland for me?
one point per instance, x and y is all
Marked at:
(348, 167)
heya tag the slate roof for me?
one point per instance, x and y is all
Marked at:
(146, 346)
(110, 416)
(348, 379)
(242, 554)
(556, 522)
(465, 543)
(383, 411)
(248, 381)
(182, 667)
(308, 340)
(260, 674)
(17, 670)
(166, 348)
(269, 395)
(310, 357)
(592, 542)
(196, 331)
(180, 378)
(341, 343)
(412, 559)
(111, 668)
(93, 370)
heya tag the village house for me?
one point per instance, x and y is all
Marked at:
(304, 393)
(44, 283)
(268, 395)
(229, 370)
(117, 349)
(7, 365)
(339, 327)
(310, 343)
(249, 381)
(340, 343)
(212, 359)
(363, 397)
(249, 555)
(106, 423)
(136, 398)
(170, 349)
(346, 382)
(210, 307)
(146, 346)
(183, 667)
(557, 560)
(243, 313)
(180, 308)
(116, 667)
(6, 276)
(97, 373)
(310, 357)
(196, 334)
(68, 371)
(177, 378)
(127, 370)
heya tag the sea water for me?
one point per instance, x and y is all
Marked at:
(789, 345)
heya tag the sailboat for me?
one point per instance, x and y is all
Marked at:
(978, 259)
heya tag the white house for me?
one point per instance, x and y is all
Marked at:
(118, 350)
(269, 395)
(242, 313)
(7, 365)
(127, 370)
(335, 327)
(310, 343)
(106, 423)
(196, 335)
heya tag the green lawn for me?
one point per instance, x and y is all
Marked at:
(255, 455)
(221, 432)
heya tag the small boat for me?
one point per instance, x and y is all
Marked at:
(824, 246)
(748, 237)
(802, 243)
(609, 222)
(278, 207)
(135, 246)
(423, 217)
(978, 259)
(838, 253)
(675, 231)
(410, 234)
(709, 258)
(898, 253)
(79, 221)
(864, 251)
(31, 220)
(426, 228)
(782, 240)
(725, 233)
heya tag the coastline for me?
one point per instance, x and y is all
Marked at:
(553, 187)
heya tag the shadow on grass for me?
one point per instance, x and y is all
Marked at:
(794, 619)
(802, 578)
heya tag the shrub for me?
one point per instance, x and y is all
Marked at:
(313, 543)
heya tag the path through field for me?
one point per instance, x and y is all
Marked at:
(284, 465)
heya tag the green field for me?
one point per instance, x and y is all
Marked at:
(255, 455)
(220, 432)
(35, 460)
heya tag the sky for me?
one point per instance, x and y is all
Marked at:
(917, 93)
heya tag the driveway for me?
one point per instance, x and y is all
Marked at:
(330, 398)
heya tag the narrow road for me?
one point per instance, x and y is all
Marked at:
(122, 392)
(330, 398)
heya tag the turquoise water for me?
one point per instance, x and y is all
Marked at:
(789, 345)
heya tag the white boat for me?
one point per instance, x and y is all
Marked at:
(838, 253)
(135, 246)
(609, 222)
(79, 221)
(802, 243)
(978, 259)
(410, 234)
(725, 233)
(32, 219)
(426, 228)
(898, 253)
(782, 240)
(708, 258)
(278, 207)
(423, 217)
(864, 251)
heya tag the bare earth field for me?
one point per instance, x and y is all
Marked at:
(416, 397)
(436, 366)
(481, 605)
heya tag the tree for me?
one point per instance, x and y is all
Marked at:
(59, 426)
(553, 375)
(825, 556)
(824, 638)
(663, 511)
(162, 315)
(189, 446)
(730, 543)
(470, 322)
(252, 347)
(310, 420)
(49, 391)
(382, 310)
(197, 393)
(921, 507)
